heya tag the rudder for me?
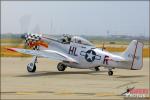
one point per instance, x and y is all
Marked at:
(134, 53)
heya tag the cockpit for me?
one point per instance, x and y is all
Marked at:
(66, 39)
(81, 40)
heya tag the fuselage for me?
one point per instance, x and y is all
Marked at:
(88, 56)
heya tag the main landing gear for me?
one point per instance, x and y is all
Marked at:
(31, 67)
(61, 67)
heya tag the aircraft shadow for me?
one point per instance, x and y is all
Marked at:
(131, 76)
(50, 73)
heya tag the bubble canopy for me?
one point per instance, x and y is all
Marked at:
(80, 40)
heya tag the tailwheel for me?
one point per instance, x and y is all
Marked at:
(110, 73)
(61, 67)
(31, 67)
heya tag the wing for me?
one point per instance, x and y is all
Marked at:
(51, 54)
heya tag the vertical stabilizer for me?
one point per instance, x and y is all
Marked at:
(134, 53)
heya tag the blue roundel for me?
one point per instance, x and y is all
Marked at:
(90, 55)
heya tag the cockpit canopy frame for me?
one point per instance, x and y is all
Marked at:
(67, 39)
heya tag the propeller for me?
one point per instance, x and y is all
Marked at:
(28, 38)
(25, 39)
(24, 26)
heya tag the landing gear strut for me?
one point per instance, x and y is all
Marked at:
(61, 67)
(31, 67)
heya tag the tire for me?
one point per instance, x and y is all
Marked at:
(61, 67)
(31, 67)
(110, 73)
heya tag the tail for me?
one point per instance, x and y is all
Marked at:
(134, 53)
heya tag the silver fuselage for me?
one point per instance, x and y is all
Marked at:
(80, 53)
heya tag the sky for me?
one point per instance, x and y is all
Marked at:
(76, 17)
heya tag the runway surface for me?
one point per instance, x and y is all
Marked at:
(48, 83)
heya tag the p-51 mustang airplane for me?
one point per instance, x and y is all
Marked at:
(76, 52)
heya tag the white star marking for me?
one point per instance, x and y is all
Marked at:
(90, 55)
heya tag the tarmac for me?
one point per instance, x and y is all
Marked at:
(48, 83)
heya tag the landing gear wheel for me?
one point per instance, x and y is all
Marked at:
(97, 69)
(110, 73)
(31, 67)
(61, 67)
